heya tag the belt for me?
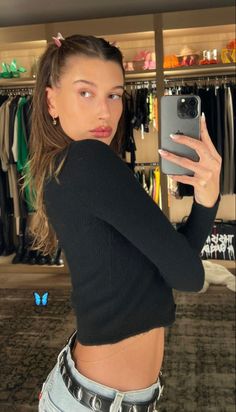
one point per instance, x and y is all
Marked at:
(97, 402)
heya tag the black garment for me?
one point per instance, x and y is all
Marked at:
(233, 92)
(7, 216)
(208, 106)
(141, 110)
(26, 117)
(129, 142)
(3, 98)
(123, 253)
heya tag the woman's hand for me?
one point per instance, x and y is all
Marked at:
(206, 179)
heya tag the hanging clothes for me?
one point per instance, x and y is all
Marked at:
(150, 182)
(140, 106)
(15, 117)
(16, 210)
(129, 142)
(157, 176)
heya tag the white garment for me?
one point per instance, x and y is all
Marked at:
(218, 275)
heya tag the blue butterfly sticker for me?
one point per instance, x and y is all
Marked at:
(40, 301)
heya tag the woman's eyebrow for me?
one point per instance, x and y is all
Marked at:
(93, 84)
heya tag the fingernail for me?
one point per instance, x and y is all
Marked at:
(174, 136)
(162, 152)
(203, 115)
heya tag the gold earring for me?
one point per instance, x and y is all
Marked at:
(54, 122)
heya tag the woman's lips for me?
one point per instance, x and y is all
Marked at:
(102, 132)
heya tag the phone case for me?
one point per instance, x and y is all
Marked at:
(171, 123)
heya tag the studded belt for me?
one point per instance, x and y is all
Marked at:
(97, 402)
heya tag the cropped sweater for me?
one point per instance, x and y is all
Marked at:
(123, 254)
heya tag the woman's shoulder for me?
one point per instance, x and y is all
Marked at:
(90, 150)
(92, 161)
(89, 145)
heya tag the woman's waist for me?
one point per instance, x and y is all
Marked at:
(131, 364)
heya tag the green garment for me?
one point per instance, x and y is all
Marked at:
(22, 151)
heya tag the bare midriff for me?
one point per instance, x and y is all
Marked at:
(131, 364)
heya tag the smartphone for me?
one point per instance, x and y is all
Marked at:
(179, 115)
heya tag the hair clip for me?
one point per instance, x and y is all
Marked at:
(57, 40)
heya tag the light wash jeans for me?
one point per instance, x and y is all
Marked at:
(55, 397)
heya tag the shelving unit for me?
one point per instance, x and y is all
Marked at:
(213, 70)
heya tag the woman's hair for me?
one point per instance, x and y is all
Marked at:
(47, 141)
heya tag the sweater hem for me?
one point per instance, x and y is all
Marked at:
(89, 341)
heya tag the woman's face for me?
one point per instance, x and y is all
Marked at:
(88, 97)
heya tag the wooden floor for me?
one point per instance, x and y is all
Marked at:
(28, 276)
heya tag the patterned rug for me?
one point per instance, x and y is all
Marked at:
(199, 362)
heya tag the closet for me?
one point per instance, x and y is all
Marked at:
(148, 44)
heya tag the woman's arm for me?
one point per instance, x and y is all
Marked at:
(107, 187)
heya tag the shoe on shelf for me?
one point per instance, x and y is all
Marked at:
(42, 259)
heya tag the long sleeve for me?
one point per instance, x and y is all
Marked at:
(110, 191)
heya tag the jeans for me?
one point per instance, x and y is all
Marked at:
(55, 397)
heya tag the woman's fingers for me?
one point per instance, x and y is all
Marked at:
(203, 170)
(204, 147)
(181, 161)
(197, 182)
(205, 138)
(199, 146)
(200, 168)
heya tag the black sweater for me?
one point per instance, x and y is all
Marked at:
(123, 254)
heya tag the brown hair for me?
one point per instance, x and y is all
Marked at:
(47, 141)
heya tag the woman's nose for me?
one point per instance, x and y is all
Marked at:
(103, 110)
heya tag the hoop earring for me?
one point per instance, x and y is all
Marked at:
(54, 122)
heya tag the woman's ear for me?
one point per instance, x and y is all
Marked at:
(51, 102)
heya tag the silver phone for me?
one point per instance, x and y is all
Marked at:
(180, 114)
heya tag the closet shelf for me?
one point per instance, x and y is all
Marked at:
(198, 71)
(144, 74)
(211, 69)
(18, 82)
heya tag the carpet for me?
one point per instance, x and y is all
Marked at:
(199, 361)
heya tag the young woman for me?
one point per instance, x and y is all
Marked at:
(123, 254)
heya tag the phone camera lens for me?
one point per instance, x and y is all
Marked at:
(192, 102)
(192, 113)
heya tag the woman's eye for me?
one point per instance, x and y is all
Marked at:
(85, 93)
(115, 96)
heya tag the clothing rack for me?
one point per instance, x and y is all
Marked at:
(182, 79)
(18, 86)
(223, 79)
(147, 164)
(142, 82)
(16, 90)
